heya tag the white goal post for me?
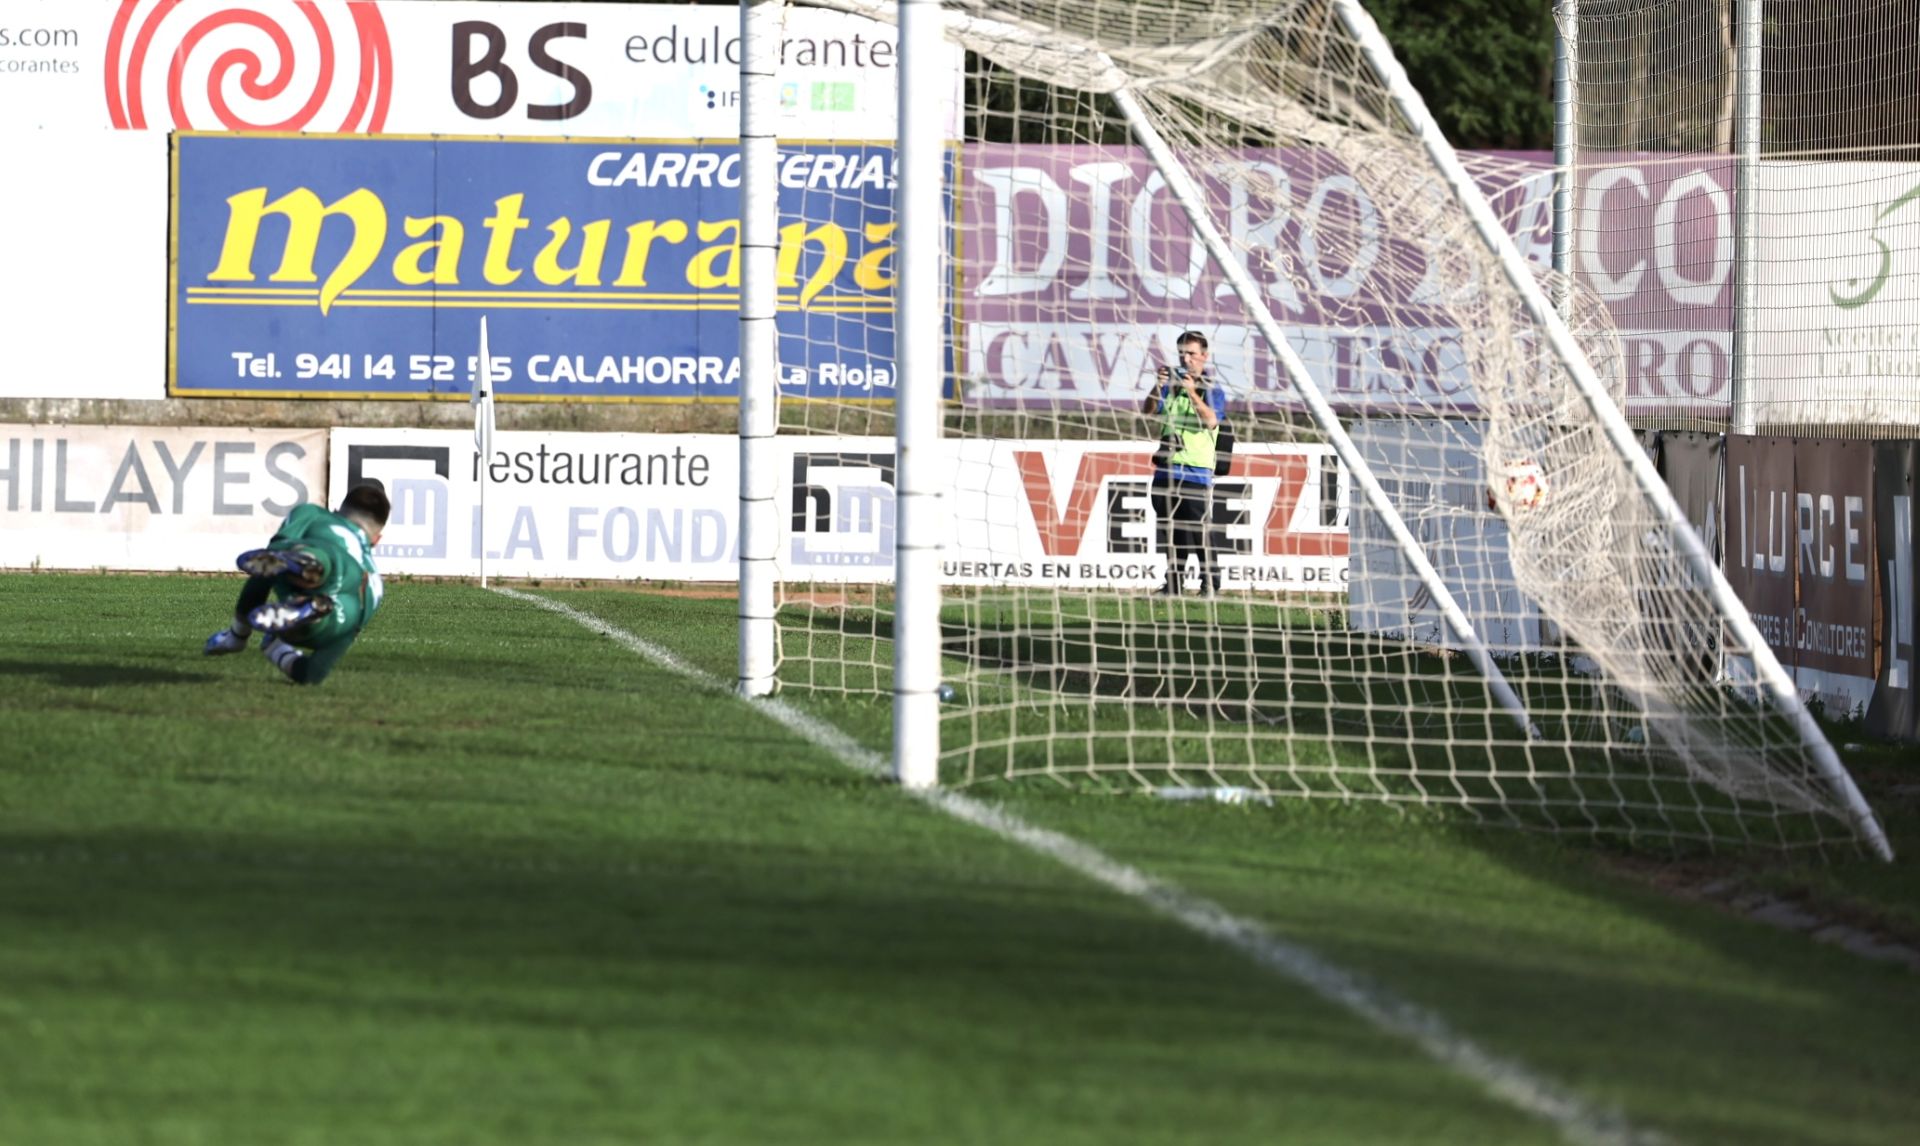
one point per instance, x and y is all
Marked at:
(1367, 604)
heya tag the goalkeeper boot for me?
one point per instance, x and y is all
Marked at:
(279, 617)
(227, 640)
(302, 569)
(284, 656)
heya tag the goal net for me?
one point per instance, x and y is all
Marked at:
(1740, 191)
(1387, 539)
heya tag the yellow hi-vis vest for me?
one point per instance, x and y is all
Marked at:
(1180, 422)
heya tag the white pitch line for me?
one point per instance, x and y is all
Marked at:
(1505, 1079)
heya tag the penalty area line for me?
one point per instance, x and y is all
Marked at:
(1507, 1080)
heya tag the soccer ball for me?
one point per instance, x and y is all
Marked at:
(1519, 487)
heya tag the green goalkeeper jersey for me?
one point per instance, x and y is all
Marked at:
(349, 579)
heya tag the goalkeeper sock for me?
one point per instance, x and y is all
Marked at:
(285, 657)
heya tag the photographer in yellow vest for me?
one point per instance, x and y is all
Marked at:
(1189, 405)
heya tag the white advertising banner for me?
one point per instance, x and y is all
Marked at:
(666, 507)
(1080, 515)
(1465, 541)
(460, 67)
(1064, 515)
(149, 498)
(598, 506)
(1839, 274)
(83, 295)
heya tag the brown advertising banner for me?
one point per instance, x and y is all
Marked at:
(1690, 463)
(1833, 545)
(1691, 466)
(1893, 712)
(1758, 539)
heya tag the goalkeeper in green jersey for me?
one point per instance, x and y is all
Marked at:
(313, 588)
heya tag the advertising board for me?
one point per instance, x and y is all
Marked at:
(1840, 272)
(1801, 552)
(353, 266)
(1080, 515)
(92, 89)
(1079, 270)
(666, 506)
(1894, 710)
(1432, 473)
(451, 67)
(604, 506)
(1833, 618)
(149, 498)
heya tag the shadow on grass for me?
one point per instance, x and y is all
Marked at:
(1198, 658)
(653, 950)
(1122, 694)
(99, 674)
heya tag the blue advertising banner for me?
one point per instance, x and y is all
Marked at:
(359, 267)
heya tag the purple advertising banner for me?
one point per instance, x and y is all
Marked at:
(1078, 269)
(1653, 239)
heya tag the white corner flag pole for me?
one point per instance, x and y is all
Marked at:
(483, 437)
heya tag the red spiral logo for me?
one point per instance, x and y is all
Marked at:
(290, 65)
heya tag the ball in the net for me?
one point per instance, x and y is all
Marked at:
(1519, 486)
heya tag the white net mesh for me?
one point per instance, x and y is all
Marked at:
(1531, 648)
(1834, 189)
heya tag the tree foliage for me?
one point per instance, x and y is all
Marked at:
(1485, 67)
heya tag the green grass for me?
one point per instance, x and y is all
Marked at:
(1117, 693)
(502, 881)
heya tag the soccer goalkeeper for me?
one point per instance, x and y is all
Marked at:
(318, 570)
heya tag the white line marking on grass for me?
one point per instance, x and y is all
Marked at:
(1507, 1080)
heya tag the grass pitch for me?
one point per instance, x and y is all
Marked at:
(503, 881)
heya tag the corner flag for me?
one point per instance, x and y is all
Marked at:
(483, 436)
(483, 399)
